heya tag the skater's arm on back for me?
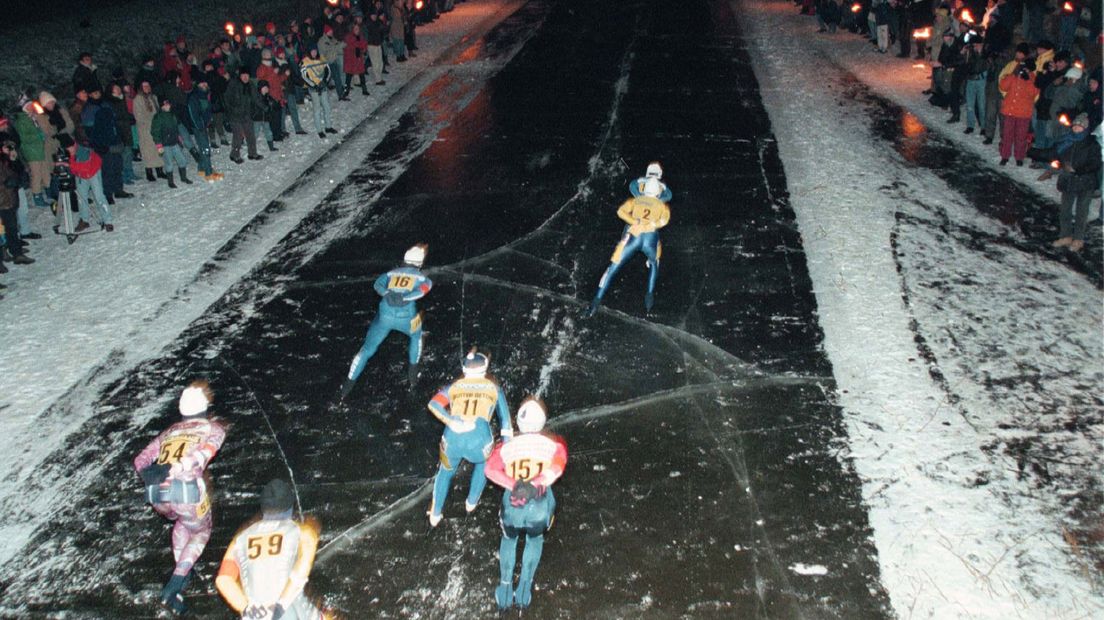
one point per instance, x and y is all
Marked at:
(420, 289)
(625, 212)
(496, 469)
(148, 455)
(555, 469)
(381, 284)
(228, 581)
(300, 573)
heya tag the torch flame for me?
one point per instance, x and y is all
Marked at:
(855, 8)
(248, 29)
(1068, 7)
(332, 2)
(418, 5)
(1080, 65)
(922, 33)
(1056, 164)
(967, 16)
(230, 28)
(37, 107)
(1064, 119)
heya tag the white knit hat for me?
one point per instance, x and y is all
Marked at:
(193, 401)
(654, 170)
(415, 255)
(531, 416)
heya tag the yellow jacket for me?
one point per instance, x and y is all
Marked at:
(644, 214)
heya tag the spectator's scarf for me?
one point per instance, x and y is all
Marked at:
(1069, 139)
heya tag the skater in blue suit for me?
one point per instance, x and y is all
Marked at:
(525, 466)
(465, 408)
(400, 288)
(643, 215)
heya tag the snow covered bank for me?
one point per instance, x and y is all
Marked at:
(964, 361)
(86, 312)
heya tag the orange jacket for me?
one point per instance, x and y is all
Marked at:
(1020, 96)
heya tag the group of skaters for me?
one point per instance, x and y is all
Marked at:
(183, 104)
(1028, 70)
(268, 562)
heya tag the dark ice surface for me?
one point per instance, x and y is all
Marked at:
(705, 476)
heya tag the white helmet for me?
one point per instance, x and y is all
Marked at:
(653, 187)
(531, 415)
(655, 170)
(195, 398)
(475, 364)
(416, 255)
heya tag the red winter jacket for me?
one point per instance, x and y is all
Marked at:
(85, 169)
(355, 50)
(1019, 100)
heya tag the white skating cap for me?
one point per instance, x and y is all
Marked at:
(652, 187)
(193, 401)
(415, 255)
(475, 364)
(531, 416)
(655, 170)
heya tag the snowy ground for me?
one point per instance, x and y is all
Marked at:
(85, 312)
(968, 357)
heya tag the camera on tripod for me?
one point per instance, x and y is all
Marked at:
(66, 181)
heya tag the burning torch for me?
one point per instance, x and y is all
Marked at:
(1064, 119)
(856, 8)
(247, 29)
(1067, 7)
(966, 16)
(1057, 165)
(922, 34)
(230, 28)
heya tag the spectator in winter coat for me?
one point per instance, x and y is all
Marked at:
(216, 81)
(86, 167)
(1046, 73)
(265, 113)
(9, 201)
(271, 74)
(199, 111)
(60, 119)
(148, 72)
(315, 72)
(398, 29)
(333, 51)
(293, 91)
(250, 57)
(1065, 95)
(173, 91)
(1078, 179)
(356, 48)
(976, 69)
(375, 29)
(239, 101)
(85, 76)
(124, 120)
(166, 133)
(1092, 101)
(32, 148)
(145, 108)
(104, 138)
(1019, 102)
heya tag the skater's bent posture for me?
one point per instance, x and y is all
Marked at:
(269, 562)
(526, 466)
(172, 467)
(643, 216)
(399, 288)
(465, 408)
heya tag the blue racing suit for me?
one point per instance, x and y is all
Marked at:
(400, 288)
(643, 216)
(466, 408)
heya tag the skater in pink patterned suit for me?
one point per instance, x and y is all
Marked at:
(172, 467)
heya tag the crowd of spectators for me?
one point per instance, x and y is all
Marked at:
(184, 102)
(1026, 70)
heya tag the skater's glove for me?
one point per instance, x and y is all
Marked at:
(255, 612)
(394, 298)
(277, 612)
(522, 493)
(154, 474)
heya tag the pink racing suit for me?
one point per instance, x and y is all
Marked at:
(187, 446)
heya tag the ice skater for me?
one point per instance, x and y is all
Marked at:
(654, 171)
(465, 408)
(643, 215)
(526, 466)
(269, 562)
(172, 467)
(399, 288)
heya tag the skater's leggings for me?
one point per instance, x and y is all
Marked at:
(648, 243)
(190, 533)
(474, 447)
(533, 519)
(379, 329)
